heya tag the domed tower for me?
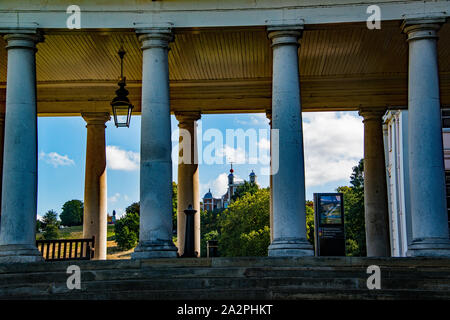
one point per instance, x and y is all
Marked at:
(252, 177)
(231, 183)
(231, 176)
(208, 204)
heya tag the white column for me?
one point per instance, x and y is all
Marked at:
(426, 160)
(2, 140)
(95, 218)
(289, 218)
(188, 178)
(155, 238)
(375, 187)
(19, 197)
(269, 116)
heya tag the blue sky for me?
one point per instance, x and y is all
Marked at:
(333, 144)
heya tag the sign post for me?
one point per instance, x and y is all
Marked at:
(329, 233)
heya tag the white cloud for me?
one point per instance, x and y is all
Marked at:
(114, 198)
(118, 159)
(218, 186)
(256, 119)
(264, 144)
(333, 145)
(235, 155)
(56, 159)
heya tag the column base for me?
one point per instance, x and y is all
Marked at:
(429, 247)
(290, 248)
(19, 253)
(155, 249)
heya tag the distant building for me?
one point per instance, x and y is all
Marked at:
(210, 203)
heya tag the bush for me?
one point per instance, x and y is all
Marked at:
(244, 225)
(127, 231)
(72, 213)
(256, 242)
(50, 226)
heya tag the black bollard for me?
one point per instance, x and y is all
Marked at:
(189, 243)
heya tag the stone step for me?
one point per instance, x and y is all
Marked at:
(408, 274)
(294, 284)
(400, 274)
(244, 294)
(243, 278)
(334, 262)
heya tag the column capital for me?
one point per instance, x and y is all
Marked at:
(22, 38)
(372, 114)
(187, 118)
(155, 36)
(285, 34)
(96, 118)
(422, 27)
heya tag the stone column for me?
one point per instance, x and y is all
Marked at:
(155, 238)
(188, 180)
(95, 218)
(19, 197)
(375, 188)
(269, 116)
(289, 218)
(2, 139)
(426, 163)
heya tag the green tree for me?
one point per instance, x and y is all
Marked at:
(243, 189)
(355, 233)
(50, 225)
(244, 225)
(126, 229)
(174, 205)
(72, 213)
(310, 221)
(38, 225)
(357, 176)
(208, 228)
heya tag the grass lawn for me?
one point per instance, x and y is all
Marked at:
(76, 232)
(113, 252)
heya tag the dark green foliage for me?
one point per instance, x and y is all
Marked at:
(72, 213)
(50, 225)
(127, 228)
(174, 205)
(244, 226)
(208, 228)
(310, 221)
(243, 189)
(354, 213)
(38, 225)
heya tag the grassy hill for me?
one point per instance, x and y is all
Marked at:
(76, 232)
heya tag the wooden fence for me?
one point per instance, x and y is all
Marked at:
(66, 249)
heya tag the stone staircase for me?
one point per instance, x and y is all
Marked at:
(230, 279)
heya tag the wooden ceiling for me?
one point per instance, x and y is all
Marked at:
(342, 67)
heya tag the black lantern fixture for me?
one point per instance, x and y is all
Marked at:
(121, 106)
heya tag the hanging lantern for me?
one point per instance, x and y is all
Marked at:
(121, 106)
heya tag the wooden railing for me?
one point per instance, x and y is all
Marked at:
(66, 249)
